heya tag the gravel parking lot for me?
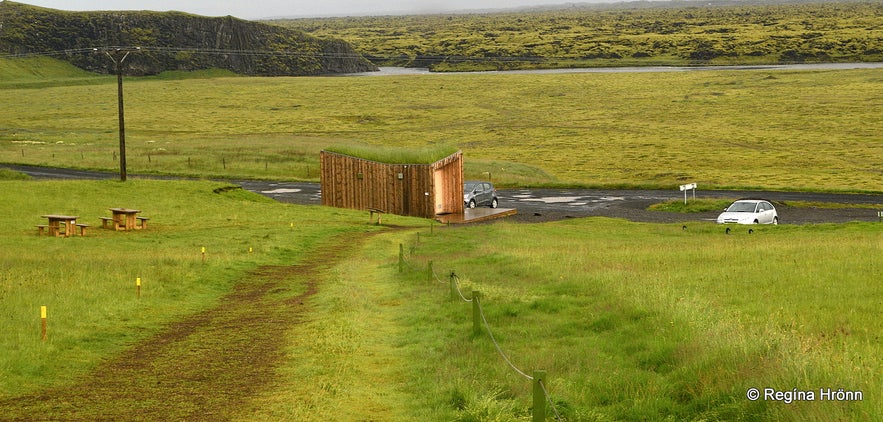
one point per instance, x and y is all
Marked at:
(549, 204)
(541, 205)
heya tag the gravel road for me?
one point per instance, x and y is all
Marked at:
(540, 205)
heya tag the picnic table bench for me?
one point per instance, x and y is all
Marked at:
(105, 221)
(124, 219)
(373, 211)
(57, 223)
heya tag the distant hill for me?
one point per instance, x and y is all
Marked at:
(664, 33)
(172, 41)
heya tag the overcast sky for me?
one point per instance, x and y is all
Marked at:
(257, 9)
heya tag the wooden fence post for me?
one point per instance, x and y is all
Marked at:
(429, 272)
(476, 313)
(401, 257)
(453, 287)
(43, 324)
(539, 396)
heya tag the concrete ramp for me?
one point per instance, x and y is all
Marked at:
(474, 215)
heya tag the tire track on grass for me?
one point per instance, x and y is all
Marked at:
(204, 367)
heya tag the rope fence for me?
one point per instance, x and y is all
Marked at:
(455, 286)
(541, 394)
(497, 345)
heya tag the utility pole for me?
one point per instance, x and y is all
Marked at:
(118, 55)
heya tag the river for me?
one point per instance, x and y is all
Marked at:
(399, 71)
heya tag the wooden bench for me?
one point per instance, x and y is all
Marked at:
(142, 222)
(82, 228)
(53, 231)
(371, 216)
(105, 220)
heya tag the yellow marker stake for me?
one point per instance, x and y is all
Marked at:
(138, 285)
(43, 323)
(292, 225)
(249, 250)
(203, 254)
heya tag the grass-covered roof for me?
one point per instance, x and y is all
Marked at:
(393, 155)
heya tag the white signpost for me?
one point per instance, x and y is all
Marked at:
(685, 188)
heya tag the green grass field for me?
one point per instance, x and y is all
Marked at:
(815, 130)
(645, 321)
(631, 321)
(88, 283)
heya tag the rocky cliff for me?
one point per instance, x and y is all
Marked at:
(171, 41)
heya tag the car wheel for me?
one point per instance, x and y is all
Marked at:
(756, 222)
(776, 221)
(471, 203)
(494, 203)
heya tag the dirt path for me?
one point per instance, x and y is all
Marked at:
(205, 367)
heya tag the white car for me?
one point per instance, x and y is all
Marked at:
(749, 211)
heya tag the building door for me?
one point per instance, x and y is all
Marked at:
(440, 190)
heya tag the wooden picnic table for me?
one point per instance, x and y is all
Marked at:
(56, 222)
(124, 218)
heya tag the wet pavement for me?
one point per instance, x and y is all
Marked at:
(538, 205)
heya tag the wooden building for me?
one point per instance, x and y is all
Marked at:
(417, 190)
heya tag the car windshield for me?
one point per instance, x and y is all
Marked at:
(469, 187)
(742, 207)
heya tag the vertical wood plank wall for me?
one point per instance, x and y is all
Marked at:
(402, 189)
(448, 186)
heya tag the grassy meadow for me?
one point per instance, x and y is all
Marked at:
(89, 283)
(791, 130)
(630, 320)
